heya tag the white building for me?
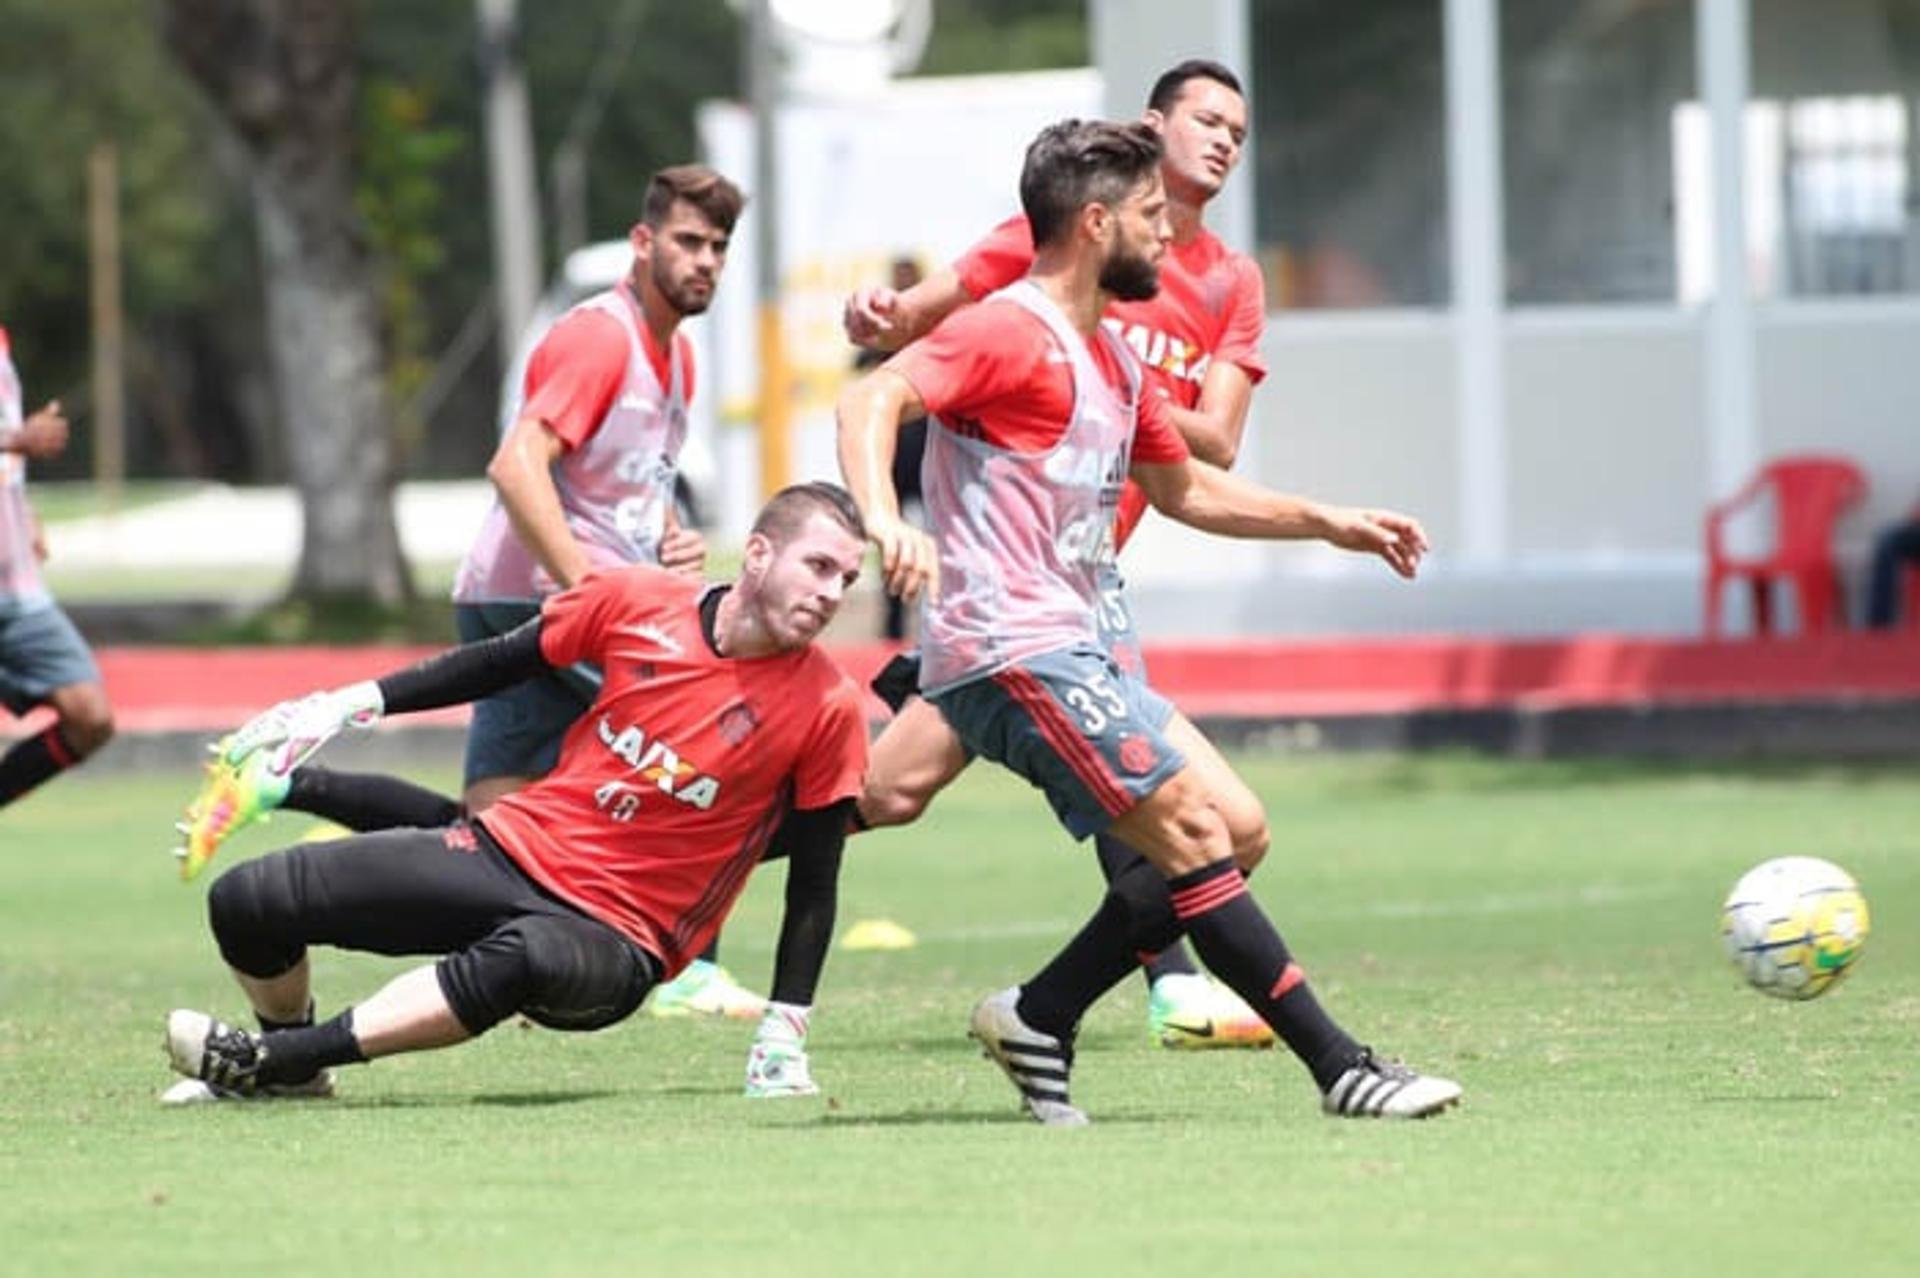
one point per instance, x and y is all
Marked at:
(1554, 275)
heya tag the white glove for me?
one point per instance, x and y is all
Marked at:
(777, 1062)
(294, 730)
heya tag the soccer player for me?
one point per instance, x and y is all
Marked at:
(1037, 416)
(43, 659)
(566, 901)
(583, 477)
(1199, 340)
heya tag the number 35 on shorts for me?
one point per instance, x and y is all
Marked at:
(1097, 702)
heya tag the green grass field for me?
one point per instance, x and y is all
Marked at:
(1545, 933)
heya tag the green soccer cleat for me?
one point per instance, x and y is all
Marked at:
(1190, 1012)
(235, 795)
(706, 989)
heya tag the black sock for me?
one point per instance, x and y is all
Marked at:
(296, 1055)
(368, 800)
(712, 953)
(269, 1026)
(1115, 858)
(33, 761)
(1237, 940)
(1097, 958)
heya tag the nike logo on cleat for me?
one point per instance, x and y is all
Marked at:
(1202, 1030)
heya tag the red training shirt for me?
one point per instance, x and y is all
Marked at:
(1211, 305)
(579, 366)
(669, 788)
(995, 372)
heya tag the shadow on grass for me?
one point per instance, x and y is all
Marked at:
(496, 1100)
(957, 1118)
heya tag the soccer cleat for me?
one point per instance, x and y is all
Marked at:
(1037, 1064)
(192, 1091)
(1190, 1012)
(704, 988)
(235, 795)
(222, 1063)
(213, 1052)
(898, 680)
(1373, 1088)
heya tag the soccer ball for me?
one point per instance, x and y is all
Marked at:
(1794, 925)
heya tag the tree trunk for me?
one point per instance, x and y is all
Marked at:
(280, 73)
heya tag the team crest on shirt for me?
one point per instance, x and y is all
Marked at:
(650, 759)
(737, 722)
(1136, 755)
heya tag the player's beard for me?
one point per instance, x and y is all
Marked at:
(1129, 276)
(684, 296)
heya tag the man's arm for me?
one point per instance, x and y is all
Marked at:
(295, 730)
(812, 841)
(1208, 498)
(522, 473)
(869, 415)
(1214, 427)
(40, 436)
(885, 319)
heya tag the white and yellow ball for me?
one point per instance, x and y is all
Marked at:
(1794, 926)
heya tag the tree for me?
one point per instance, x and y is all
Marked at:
(281, 75)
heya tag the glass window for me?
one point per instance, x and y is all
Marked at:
(1589, 90)
(1349, 152)
(1831, 200)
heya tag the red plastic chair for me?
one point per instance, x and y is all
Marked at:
(1809, 493)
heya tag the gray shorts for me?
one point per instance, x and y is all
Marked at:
(40, 651)
(517, 733)
(1088, 735)
(1113, 621)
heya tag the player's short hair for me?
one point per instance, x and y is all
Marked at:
(719, 200)
(788, 510)
(1173, 82)
(1079, 162)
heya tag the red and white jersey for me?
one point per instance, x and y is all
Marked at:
(669, 787)
(1211, 306)
(616, 478)
(1023, 530)
(20, 584)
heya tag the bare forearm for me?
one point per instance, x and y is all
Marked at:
(1217, 502)
(533, 506)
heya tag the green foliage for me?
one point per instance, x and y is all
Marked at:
(1545, 935)
(400, 196)
(975, 36)
(79, 73)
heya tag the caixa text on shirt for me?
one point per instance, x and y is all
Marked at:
(655, 761)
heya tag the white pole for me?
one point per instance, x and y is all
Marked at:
(510, 171)
(1733, 447)
(1479, 277)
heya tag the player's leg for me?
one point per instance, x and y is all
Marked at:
(44, 661)
(511, 948)
(514, 738)
(1093, 741)
(916, 756)
(1185, 1008)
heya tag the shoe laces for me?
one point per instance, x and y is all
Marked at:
(1389, 1069)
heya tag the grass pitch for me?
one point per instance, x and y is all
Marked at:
(1545, 933)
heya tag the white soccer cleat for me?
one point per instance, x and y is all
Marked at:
(222, 1063)
(1035, 1063)
(1373, 1088)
